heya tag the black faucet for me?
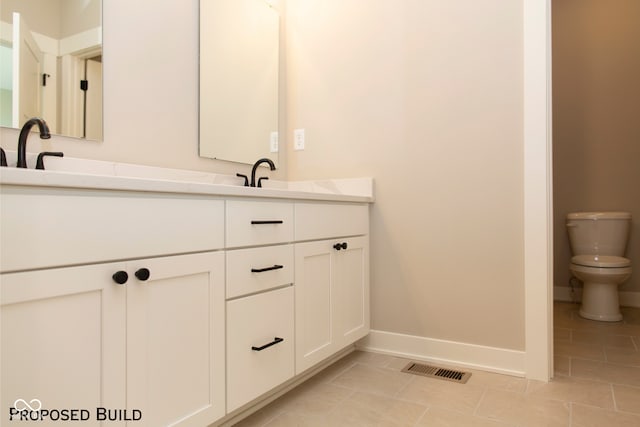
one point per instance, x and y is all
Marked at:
(3, 158)
(255, 167)
(22, 139)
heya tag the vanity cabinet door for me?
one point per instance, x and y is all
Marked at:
(175, 339)
(63, 339)
(314, 336)
(332, 297)
(350, 301)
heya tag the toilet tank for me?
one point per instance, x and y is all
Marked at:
(598, 233)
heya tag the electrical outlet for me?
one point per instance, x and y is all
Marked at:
(273, 142)
(298, 139)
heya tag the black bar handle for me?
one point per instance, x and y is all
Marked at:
(275, 341)
(277, 221)
(262, 270)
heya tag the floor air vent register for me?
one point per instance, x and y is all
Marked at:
(437, 372)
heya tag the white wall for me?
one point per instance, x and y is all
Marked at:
(426, 97)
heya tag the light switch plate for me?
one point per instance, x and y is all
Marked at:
(298, 139)
(273, 142)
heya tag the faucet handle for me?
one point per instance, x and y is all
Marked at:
(3, 158)
(246, 179)
(260, 180)
(41, 156)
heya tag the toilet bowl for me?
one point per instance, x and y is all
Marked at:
(598, 242)
(600, 276)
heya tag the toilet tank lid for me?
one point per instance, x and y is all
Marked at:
(602, 261)
(599, 215)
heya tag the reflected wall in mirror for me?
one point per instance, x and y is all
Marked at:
(239, 58)
(51, 65)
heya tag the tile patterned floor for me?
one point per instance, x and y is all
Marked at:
(597, 383)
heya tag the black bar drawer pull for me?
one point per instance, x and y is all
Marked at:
(276, 221)
(262, 270)
(275, 341)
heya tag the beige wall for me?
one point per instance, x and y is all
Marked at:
(426, 97)
(596, 118)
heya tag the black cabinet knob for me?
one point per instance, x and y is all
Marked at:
(143, 274)
(339, 246)
(120, 277)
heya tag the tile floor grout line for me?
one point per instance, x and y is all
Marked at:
(613, 395)
(484, 392)
(570, 414)
(409, 381)
(273, 418)
(426, 409)
(570, 366)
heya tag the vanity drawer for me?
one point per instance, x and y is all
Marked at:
(252, 223)
(324, 220)
(258, 269)
(253, 366)
(50, 227)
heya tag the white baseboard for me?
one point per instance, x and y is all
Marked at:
(500, 360)
(563, 293)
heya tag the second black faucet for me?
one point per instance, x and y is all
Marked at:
(253, 183)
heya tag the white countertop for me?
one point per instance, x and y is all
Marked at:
(99, 175)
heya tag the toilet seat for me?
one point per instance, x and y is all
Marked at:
(601, 261)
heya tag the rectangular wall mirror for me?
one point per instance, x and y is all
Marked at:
(239, 59)
(51, 65)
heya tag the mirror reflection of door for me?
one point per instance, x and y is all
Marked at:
(81, 97)
(35, 38)
(93, 99)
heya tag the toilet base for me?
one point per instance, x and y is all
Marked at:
(600, 302)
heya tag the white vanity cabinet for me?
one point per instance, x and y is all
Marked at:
(331, 280)
(184, 307)
(145, 333)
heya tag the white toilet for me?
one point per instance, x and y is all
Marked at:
(598, 243)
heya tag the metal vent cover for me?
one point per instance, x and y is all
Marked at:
(437, 372)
